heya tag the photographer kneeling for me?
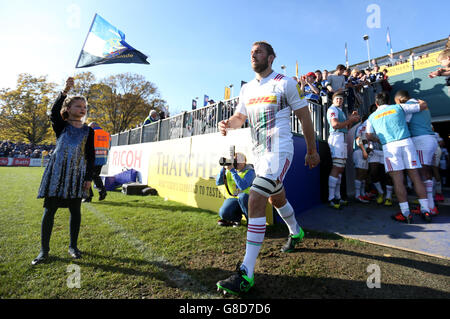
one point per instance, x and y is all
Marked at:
(237, 178)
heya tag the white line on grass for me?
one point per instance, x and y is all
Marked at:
(181, 279)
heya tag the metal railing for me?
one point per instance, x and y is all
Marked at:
(204, 120)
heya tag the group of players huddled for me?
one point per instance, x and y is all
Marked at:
(397, 139)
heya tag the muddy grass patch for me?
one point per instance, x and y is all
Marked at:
(328, 266)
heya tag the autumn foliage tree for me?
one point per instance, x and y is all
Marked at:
(23, 111)
(123, 101)
(118, 103)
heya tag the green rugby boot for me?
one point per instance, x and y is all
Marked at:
(237, 283)
(334, 203)
(292, 241)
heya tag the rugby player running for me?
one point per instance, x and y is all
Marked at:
(267, 102)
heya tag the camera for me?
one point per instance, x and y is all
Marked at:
(231, 161)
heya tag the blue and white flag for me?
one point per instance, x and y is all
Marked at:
(388, 40)
(106, 44)
(205, 100)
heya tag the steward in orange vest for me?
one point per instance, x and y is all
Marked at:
(102, 144)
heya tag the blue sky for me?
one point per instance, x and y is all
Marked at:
(198, 47)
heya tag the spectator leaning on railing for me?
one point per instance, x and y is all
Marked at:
(319, 81)
(444, 60)
(324, 91)
(310, 91)
(370, 77)
(353, 87)
(336, 81)
(379, 76)
(320, 84)
(385, 82)
(319, 78)
(346, 73)
(152, 117)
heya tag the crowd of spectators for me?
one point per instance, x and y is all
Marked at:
(404, 59)
(23, 150)
(319, 86)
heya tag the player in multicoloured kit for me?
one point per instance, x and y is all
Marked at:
(360, 161)
(422, 135)
(378, 174)
(339, 125)
(376, 169)
(267, 103)
(389, 123)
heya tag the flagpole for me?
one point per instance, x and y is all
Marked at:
(366, 38)
(346, 55)
(74, 69)
(87, 35)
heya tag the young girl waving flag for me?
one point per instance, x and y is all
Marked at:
(68, 174)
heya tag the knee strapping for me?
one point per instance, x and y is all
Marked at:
(266, 187)
(339, 162)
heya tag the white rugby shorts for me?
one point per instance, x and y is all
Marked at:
(273, 166)
(400, 156)
(359, 161)
(426, 146)
(338, 146)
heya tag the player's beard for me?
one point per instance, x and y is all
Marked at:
(261, 66)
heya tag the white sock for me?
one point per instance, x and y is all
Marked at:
(337, 192)
(429, 188)
(405, 209)
(357, 188)
(363, 188)
(288, 215)
(424, 204)
(331, 186)
(255, 237)
(378, 187)
(389, 189)
(434, 185)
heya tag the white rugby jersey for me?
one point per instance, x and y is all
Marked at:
(361, 130)
(268, 104)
